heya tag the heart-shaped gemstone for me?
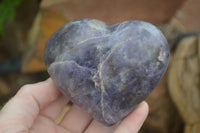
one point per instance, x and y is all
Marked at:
(106, 69)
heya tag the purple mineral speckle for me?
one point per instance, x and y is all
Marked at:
(107, 69)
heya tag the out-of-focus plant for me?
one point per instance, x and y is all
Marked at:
(7, 11)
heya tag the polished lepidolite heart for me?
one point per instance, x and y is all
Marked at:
(106, 69)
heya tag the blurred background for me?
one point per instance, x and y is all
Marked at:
(26, 25)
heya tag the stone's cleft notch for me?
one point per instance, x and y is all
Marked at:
(106, 69)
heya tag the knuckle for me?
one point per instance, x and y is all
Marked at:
(25, 90)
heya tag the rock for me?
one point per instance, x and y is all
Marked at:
(184, 80)
(106, 69)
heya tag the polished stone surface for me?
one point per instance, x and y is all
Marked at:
(106, 69)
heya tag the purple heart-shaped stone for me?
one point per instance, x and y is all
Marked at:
(106, 69)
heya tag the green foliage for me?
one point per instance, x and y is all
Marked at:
(7, 11)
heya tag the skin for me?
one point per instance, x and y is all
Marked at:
(36, 106)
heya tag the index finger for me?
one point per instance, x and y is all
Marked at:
(43, 92)
(24, 107)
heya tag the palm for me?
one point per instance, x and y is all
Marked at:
(35, 108)
(75, 121)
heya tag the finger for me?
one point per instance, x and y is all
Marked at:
(24, 107)
(53, 110)
(76, 120)
(133, 122)
(44, 125)
(43, 92)
(97, 127)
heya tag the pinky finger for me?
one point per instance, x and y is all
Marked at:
(133, 122)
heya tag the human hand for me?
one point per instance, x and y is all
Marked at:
(35, 107)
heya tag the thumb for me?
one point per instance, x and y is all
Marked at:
(133, 122)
